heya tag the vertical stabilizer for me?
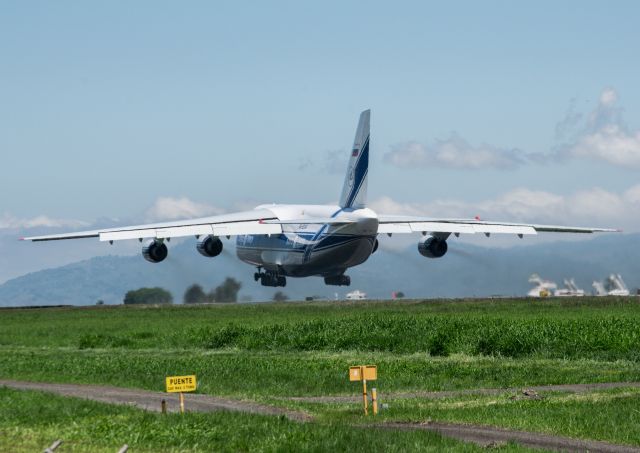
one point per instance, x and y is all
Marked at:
(354, 191)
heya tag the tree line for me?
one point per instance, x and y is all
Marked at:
(227, 291)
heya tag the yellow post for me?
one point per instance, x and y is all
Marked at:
(181, 403)
(374, 400)
(364, 397)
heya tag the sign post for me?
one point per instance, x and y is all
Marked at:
(365, 373)
(181, 384)
(374, 400)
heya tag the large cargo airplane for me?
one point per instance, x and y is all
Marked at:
(311, 240)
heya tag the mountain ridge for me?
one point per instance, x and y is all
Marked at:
(467, 270)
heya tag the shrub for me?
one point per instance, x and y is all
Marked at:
(148, 296)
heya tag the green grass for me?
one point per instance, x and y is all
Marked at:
(571, 327)
(31, 421)
(269, 351)
(265, 374)
(608, 415)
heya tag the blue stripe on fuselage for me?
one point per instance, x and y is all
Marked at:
(277, 243)
(324, 245)
(310, 247)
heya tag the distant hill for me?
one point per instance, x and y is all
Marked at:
(467, 270)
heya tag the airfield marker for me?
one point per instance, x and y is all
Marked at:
(181, 384)
(364, 397)
(364, 373)
(374, 400)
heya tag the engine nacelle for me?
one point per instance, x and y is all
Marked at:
(375, 247)
(209, 246)
(154, 251)
(432, 247)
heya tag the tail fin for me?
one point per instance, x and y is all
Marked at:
(354, 191)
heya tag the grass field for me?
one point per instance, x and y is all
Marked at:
(36, 419)
(268, 352)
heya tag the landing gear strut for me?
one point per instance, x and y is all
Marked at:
(270, 278)
(338, 280)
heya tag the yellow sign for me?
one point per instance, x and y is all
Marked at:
(363, 372)
(181, 384)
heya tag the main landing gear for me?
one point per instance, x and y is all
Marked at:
(338, 280)
(270, 278)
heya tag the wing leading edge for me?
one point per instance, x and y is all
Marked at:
(264, 222)
(249, 222)
(408, 224)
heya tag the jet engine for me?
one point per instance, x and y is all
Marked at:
(154, 251)
(209, 246)
(375, 247)
(432, 247)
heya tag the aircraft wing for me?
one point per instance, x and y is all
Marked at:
(313, 221)
(249, 222)
(409, 224)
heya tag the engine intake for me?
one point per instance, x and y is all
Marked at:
(209, 246)
(154, 251)
(432, 247)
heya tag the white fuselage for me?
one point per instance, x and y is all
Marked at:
(306, 249)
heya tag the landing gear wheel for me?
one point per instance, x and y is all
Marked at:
(338, 280)
(270, 278)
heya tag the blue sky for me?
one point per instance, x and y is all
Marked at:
(149, 110)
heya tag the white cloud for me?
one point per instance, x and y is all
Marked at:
(570, 122)
(168, 208)
(610, 143)
(454, 152)
(332, 162)
(604, 136)
(164, 208)
(600, 134)
(595, 207)
(8, 221)
(608, 97)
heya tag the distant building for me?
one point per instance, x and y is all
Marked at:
(542, 288)
(356, 295)
(546, 288)
(612, 286)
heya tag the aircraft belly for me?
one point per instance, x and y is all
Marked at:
(271, 253)
(328, 256)
(333, 260)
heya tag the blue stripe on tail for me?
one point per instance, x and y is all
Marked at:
(359, 174)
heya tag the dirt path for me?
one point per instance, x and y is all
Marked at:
(151, 401)
(481, 435)
(572, 388)
(490, 436)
